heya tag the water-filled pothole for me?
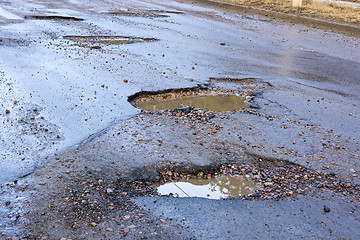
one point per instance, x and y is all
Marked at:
(146, 14)
(216, 103)
(108, 40)
(66, 18)
(167, 11)
(214, 188)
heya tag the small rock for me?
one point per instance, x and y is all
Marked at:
(7, 203)
(326, 208)
(109, 190)
(126, 217)
(132, 226)
(268, 184)
(109, 229)
(352, 170)
(93, 224)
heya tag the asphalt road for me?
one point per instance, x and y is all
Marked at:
(63, 94)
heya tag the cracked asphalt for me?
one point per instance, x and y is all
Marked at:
(79, 161)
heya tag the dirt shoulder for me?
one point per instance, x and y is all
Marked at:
(342, 14)
(341, 19)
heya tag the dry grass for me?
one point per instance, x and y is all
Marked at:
(310, 9)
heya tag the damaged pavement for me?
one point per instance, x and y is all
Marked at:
(80, 161)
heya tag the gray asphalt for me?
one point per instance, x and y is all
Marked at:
(42, 70)
(67, 94)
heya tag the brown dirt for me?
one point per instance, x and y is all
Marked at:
(331, 12)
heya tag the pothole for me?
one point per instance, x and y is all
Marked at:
(243, 181)
(210, 100)
(217, 103)
(145, 14)
(213, 188)
(167, 11)
(245, 83)
(66, 18)
(108, 40)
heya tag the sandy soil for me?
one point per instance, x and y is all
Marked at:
(309, 9)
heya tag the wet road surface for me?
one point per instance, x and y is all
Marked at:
(61, 94)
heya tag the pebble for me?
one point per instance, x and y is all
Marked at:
(326, 209)
(200, 175)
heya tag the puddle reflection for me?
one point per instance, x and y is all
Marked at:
(214, 188)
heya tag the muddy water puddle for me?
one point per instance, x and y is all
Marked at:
(214, 188)
(108, 40)
(216, 103)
